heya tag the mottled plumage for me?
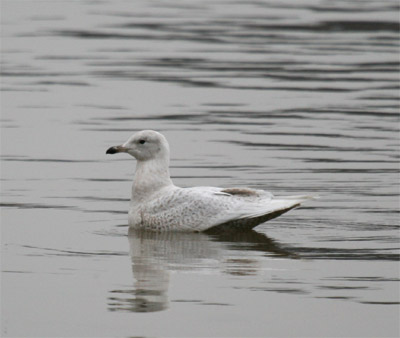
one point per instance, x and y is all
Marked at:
(157, 204)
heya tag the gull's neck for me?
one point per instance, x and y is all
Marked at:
(150, 177)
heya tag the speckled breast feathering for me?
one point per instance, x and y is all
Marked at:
(157, 204)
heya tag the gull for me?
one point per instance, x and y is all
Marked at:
(157, 204)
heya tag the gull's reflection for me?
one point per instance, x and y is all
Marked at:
(155, 255)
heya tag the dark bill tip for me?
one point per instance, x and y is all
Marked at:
(112, 150)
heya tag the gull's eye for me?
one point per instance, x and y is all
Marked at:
(142, 141)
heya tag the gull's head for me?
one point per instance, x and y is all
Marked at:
(144, 145)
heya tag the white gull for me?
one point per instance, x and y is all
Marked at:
(157, 204)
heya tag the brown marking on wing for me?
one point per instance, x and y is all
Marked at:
(240, 191)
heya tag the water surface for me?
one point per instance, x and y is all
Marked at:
(294, 98)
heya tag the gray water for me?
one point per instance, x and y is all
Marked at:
(295, 97)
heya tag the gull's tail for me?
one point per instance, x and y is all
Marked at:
(251, 218)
